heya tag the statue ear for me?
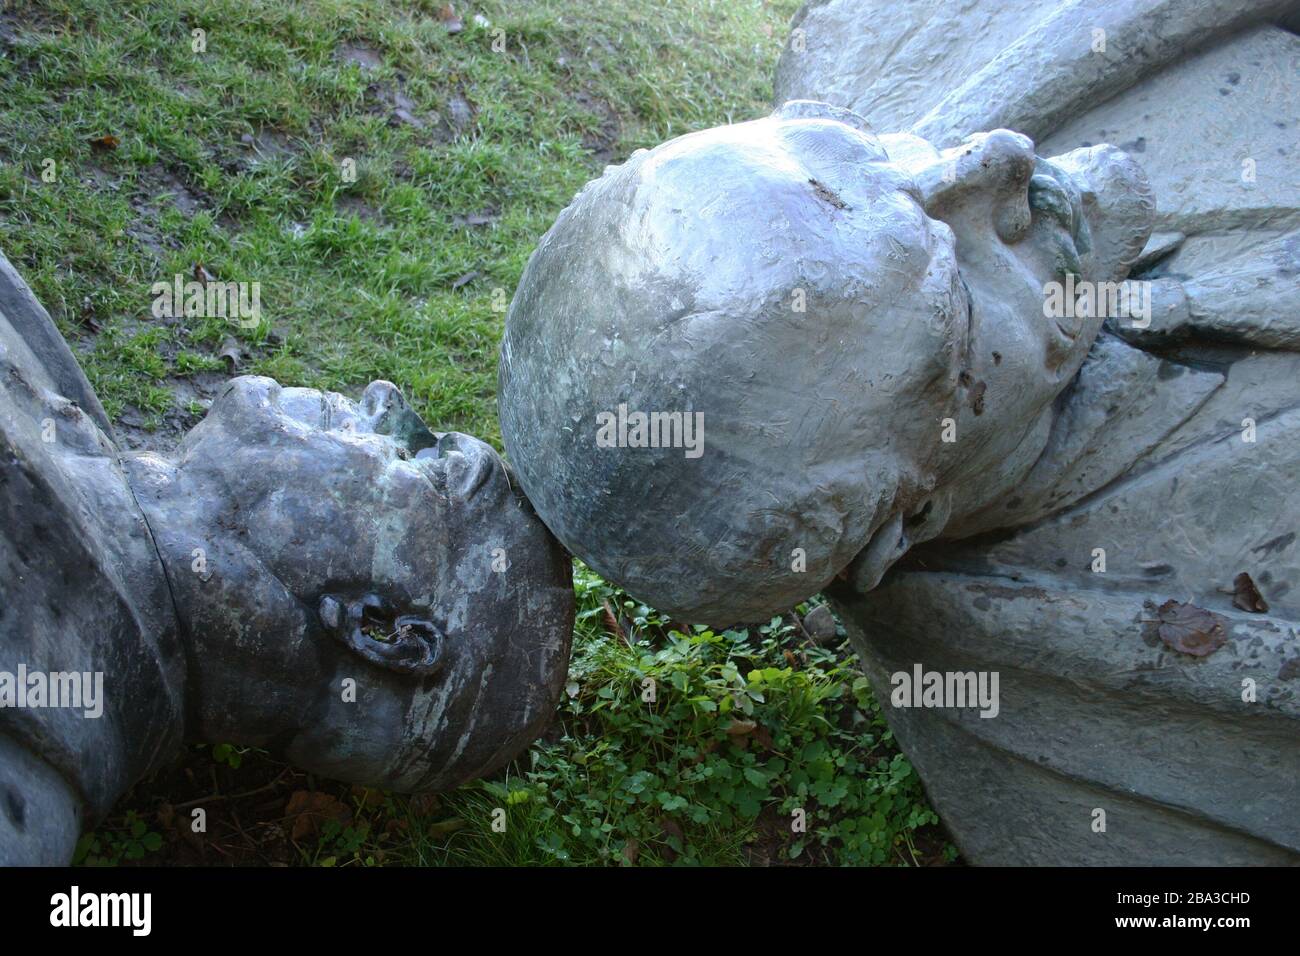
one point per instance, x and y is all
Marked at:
(899, 532)
(408, 644)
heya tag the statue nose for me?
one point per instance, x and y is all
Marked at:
(998, 165)
(380, 396)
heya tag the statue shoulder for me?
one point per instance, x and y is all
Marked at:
(1204, 501)
(48, 360)
(944, 71)
(82, 589)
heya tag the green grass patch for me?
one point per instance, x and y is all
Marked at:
(383, 179)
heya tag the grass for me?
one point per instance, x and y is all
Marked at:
(384, 180)
(237, 159)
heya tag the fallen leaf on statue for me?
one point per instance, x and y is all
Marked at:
(1246, 596)
(1190, 629)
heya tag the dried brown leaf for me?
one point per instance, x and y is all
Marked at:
(672, 830)
(447, 14)
(611, 621)
(1246, 596)
(1189, 629)
(446, 827)
(631, 850)
(311, 809)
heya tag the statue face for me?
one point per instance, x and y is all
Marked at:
(374, 597)
(826, 301)
(1020, 222)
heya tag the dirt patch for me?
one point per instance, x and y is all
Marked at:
(390, 100)
(345, 206)
(257, 815)
(198, 390)
(145, 235)
(99, 178)
(602, 142)
(460, 113)
(266, 145)
(484, 217)
(156, 186)
(246, 812)
(359, 54)
(161, 183)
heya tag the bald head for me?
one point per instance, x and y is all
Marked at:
(775, 285)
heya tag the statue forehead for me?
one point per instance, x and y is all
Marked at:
(800, 132)
(382, 412)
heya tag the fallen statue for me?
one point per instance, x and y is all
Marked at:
(902, 391)
(324, 578)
